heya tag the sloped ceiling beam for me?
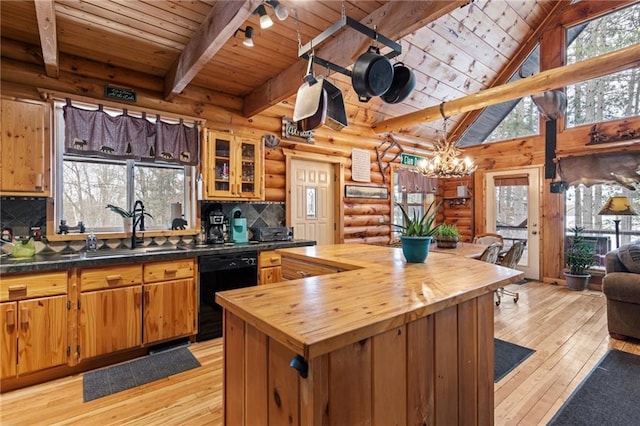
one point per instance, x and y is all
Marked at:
(219, 26)
(46, 17)
(395, 20)
(608, 63)
(516, 62)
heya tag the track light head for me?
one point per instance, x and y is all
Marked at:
(248, 35)
(282, 12)
(265, 20)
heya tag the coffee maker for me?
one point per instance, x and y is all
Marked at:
(216, 224)
(238, 226)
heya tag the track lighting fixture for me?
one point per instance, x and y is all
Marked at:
(265, 20)
(282, 12)
(248, 35)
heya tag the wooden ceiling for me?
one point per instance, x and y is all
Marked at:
(455, 48)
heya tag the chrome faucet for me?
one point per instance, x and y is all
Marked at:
(138, 207)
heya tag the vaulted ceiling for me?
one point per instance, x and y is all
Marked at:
(455, 48)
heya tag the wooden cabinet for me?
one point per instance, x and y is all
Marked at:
(269, 269)
(25, 148)
(293, 268)
(34, 323)
(127, 306)
(232, 167)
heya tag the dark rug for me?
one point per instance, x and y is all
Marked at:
(524, 281)
(609, 395)
(507, 357)
(106, 381)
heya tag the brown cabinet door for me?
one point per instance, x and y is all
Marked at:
(24, 149)
(42, 333)
(110, 320)
(8, 339)
(169, 310)
(270, 275)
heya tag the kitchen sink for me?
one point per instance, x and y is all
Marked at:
(121, 252)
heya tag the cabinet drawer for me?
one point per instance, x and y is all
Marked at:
(169, 270)
(268, 258)
(23, 286)
(295, 268)
(110, 277)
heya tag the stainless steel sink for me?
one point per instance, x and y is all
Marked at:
(121, 252)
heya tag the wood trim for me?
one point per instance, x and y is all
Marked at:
(218, 27)
(608, 63)
(588, 10)
(46, 17)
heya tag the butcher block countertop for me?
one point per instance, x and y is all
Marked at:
(376, 292)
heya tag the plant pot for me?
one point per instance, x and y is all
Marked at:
(415, 249)
(576, 282)
(127, 223)
(447, 242)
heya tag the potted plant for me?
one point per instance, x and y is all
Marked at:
(447, 236)
(127, 215)
(578, 258)
(417, 233)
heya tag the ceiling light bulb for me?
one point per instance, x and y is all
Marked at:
(282, 12)
(265, 20)
(248, 37)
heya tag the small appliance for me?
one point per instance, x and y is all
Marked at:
(271, 233)
(216, 224)
(238, 226)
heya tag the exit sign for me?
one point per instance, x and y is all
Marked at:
(410, 160)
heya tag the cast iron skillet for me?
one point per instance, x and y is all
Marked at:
(372, 74)
(403, 84)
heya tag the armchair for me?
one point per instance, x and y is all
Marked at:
(622, 289)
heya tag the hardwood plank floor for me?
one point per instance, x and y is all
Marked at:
(567, 329)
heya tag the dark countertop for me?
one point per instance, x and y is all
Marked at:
(58, 261)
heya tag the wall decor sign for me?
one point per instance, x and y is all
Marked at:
(290, 132)
(120, 93)
(410, 160)
(360, 165)
(361, 191)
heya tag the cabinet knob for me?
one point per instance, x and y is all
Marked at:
(24, 316)
(114, 277)
(171, 271)
(11, 317)
(17, 290)
(303, 274)
(275, 259)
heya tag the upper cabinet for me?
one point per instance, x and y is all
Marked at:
(232, 167)
(25, 148)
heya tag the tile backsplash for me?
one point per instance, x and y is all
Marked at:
(21, 213)
(257, 214)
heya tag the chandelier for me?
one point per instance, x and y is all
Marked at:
(446, 161)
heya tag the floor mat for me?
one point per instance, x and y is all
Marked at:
(507, 357)
(609, 395)
(116, 378)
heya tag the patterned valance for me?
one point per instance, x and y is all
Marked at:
(413, 181)
(94, 132)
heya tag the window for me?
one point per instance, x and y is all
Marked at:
(609, 97)
(522, 120)
(86, 184)
(411, 202)
(582, 207)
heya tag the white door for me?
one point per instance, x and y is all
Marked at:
(312, 207)
(513, 211)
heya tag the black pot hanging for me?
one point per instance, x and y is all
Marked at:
(372, 74)
(404, 81)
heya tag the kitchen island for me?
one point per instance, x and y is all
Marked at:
(378, 342)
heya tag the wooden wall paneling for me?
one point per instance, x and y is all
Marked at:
(256, 375)
(389, 354)
(233, 380)
(350, 369)
(485, 310)
(446, 366)
(283, 386)
(468, 409)
(314, 393)
(421, 380)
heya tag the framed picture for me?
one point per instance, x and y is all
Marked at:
(360, 191)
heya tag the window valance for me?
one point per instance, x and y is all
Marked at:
(413, 181)
(619, 168)
(95, 132)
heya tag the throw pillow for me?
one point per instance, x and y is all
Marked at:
(629, 255)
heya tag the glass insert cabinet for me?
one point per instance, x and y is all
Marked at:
(232, 167)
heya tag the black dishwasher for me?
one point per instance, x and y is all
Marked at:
(221, 272)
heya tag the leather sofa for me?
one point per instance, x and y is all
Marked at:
(622, 289)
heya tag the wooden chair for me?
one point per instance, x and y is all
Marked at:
(490, 254)
(510, 260)
(488, 238)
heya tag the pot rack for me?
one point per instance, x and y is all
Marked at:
(305, 50)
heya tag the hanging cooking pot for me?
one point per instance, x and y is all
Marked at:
(403, 84)
(309, 95)
(372, 74)
(336, 114)
(318, 117)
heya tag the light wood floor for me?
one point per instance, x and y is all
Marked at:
(568, 330)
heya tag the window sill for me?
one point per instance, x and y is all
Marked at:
(112, 235)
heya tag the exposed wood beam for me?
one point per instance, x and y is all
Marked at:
(46, 16)
(219, 26)
(554, 78)
(516, 62)
(395, 20)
